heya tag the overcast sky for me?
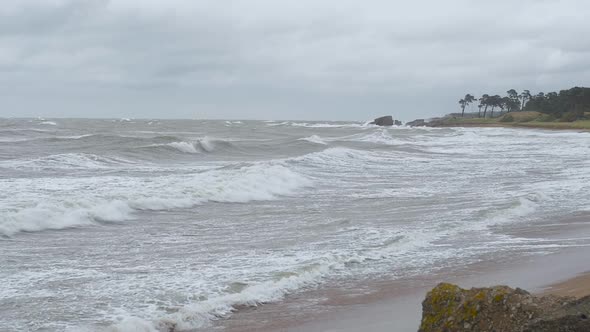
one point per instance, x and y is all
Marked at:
(272, 59)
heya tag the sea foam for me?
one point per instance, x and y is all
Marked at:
(88, 201)
(314, 139)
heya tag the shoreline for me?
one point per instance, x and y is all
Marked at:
(402, 312)
(577, 286)
(395, 304)
(508, 125)
(566, 126)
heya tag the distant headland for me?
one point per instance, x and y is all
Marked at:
(566, 109)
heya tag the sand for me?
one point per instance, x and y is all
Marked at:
(578, 286)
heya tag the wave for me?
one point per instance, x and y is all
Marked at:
(518, 210)
(68, 161)
(96, 200)
(314, 139)
(271, 123)
(380, 245)
(231, 123)
(45, 216)
(382, 136)
(48, 123)
(205, 144)
(340, 156)
(186, 147)
(329, 125)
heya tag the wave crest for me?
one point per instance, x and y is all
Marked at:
(205, 144)
(108, 203)
(314, 139)
(66, 161)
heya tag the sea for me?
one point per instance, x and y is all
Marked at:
(148, 225)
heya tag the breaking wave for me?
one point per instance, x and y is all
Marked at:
(314, 139)
(66, 161)
(201, 314)
(115, 199)
(205, 144)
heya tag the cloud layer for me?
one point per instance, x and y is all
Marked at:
(282, 60)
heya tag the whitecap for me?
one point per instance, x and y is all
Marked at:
(314, 139)
(87, 201)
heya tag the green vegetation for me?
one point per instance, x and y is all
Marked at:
(507, 118)
(566, 109)
(514, 121)
(465, 102)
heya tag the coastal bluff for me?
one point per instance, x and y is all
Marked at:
(449, 308)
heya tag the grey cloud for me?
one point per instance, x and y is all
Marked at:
(275, 59)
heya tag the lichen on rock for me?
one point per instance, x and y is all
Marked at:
(449, 308)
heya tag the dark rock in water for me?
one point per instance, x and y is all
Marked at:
(397, 122)
(384, 121)
(416, 123)
(450, 308)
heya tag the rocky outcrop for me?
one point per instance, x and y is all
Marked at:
(450, 308)
(416, 123)
(384, 121)
(432, 122)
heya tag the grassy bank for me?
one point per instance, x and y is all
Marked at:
(514, 119)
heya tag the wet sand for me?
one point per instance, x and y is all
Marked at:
(578, 286)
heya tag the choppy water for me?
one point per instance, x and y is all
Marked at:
(121, 224)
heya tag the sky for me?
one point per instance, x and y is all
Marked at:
(272, 59)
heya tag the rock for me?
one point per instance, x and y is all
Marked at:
(397, 122)
(450, 308)
(417, 123)
(437, 122)
(569, 323)
(384, 121)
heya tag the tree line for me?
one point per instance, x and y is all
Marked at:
(571, 103)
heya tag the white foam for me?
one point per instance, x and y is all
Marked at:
(207, 144)
(186, 147)
(132, 324)
(381, 136)
(370, 245)
(342, 157)
(204, 144)
(327, 125)
(521, 208)
(314, 139)
(49, 123)
(86, 201)
(59, 216)
(65, 161)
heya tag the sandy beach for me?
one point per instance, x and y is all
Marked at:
(578, 286)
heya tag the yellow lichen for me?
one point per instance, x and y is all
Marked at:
(499, 298)
(442, 299)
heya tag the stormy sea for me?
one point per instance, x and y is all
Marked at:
(144, 225)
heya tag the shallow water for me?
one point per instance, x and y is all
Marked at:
(120, 224)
